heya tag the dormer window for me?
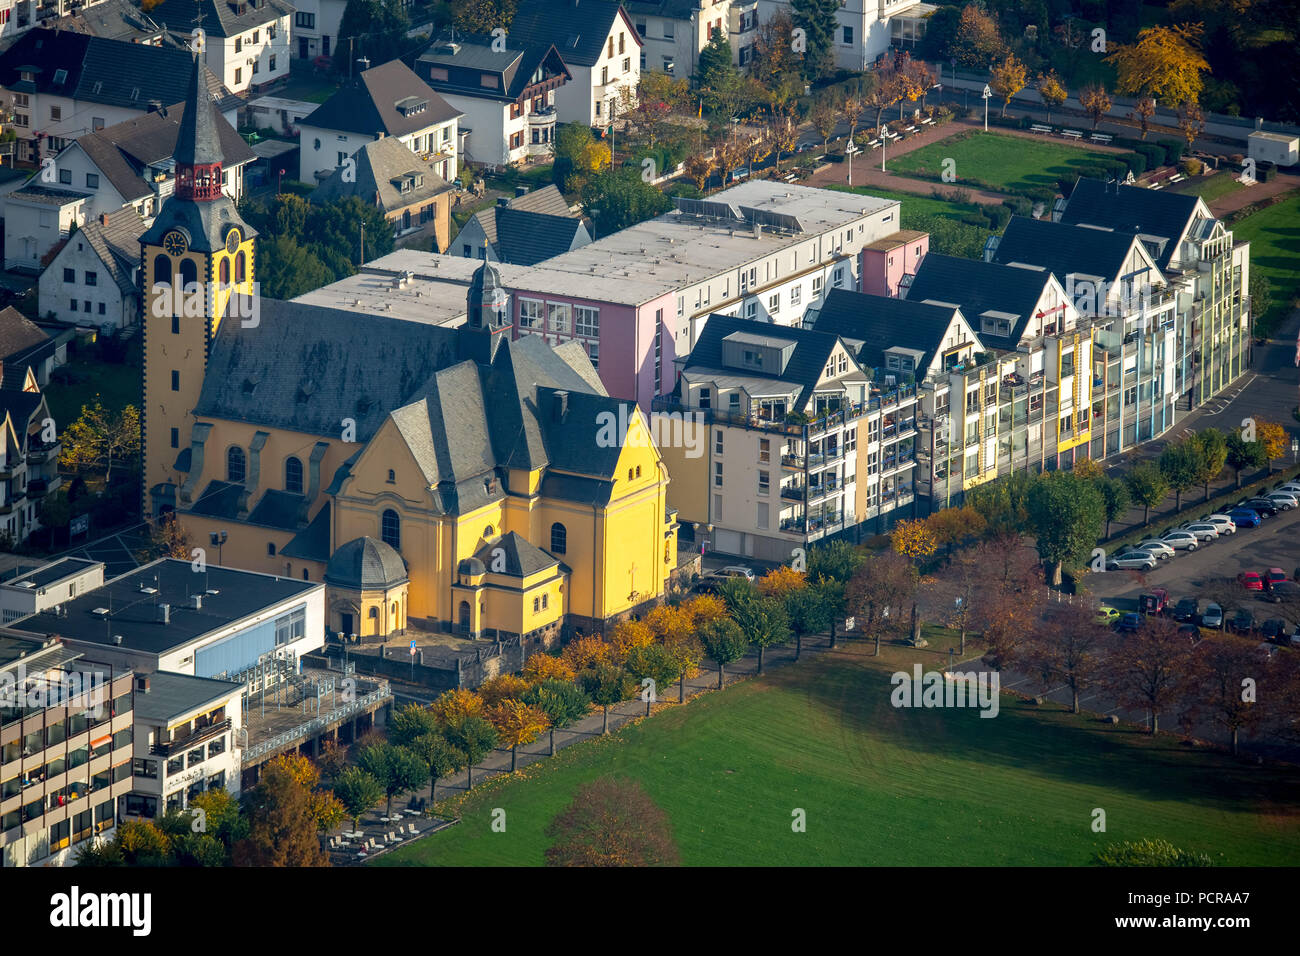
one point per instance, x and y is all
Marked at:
(60, 77)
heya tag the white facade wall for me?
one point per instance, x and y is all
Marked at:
(16, 602)
(316, 28)
(586, 98)
(57, 292)
(244, 61)
(323, 150)
(33, 229)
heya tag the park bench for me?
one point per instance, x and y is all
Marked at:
(1101, 138)
(909, 129)
(1038, 128)
(1177, 178)
(874, 144)
(927, 121)
(1071, 134)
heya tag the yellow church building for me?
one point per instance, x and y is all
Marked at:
(436, 478)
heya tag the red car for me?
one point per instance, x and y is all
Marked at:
(1273, 576)
(1250, 580)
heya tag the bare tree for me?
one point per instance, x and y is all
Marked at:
(884, 585)
(1070, 648)
(1149, 666)
(1223, 685)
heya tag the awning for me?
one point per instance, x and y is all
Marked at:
(107, 738)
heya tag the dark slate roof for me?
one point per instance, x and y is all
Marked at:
(874, 323)
(515, 65)
(205, 224)
(278, 509)
(307, 367)
(378, 164)
(1064, 249)
(117, 243)
(21, 407)
(804, 368)
(521, 557)
(220, 499)
(238, 595)
(312, 543)
(198, 143)
(365, 563)
(977, 286)
(56, 571)
(111, 19)
(368, 105)
(548, 200)
(527, 238)
(123, 150)
(171, 694)
(219, 17)
(586, 491)
(1131, 209)
(578, 29)
(105, 71)
(671, 9)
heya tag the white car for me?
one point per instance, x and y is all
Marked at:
(734, 571)
(1283, 499)
(1160, 549)
(1212, 616)
(1203, 530)
(1142, 560)
(1290, 487)
(1225, 524)
(1181, 540)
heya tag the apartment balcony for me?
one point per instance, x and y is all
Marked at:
(39, 453)
(795, 492)
(542, 118)
(15, 501)
(173, 747)
(894, 463)
(794, 462)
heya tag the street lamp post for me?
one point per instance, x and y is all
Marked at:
(218, 538)
(884, 143)
(988, 94)
(1295, 449)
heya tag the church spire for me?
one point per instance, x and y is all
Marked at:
(198, 147)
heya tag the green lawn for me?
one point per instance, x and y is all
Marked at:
(1274, 237)
(996, 161)
(914, 205)
(886, 786)
(1209, 188)
(117, 386)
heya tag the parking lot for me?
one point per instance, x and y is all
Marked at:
(1274, 544)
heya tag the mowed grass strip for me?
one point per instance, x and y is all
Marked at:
(997, 161)
(1274, 237)
(887, 786)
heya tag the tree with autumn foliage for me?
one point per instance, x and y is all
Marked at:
(977, 43)
(1009, 78)
(699, 167)
(1191, 120)
(1069, 648)
(500, 688)
(282, 821)
(1164, 62)
(100, 438)
(584, 652)
(1272, 438)
(914, 540)
(611, 822)
(671, 624)
(773, 55)
(884, 585)
(780, 581)
(457, 704)
(1223, 685)
(543, 667)
(1150, 666)
(911, 79)
(563, 702)
(705, 608)
(1144, 109)
(824, 116)
(1095, 101)
(170, 537)
(954, 528)
(1051, 92)
(517, 724)
(627, 636)
(1009, 597)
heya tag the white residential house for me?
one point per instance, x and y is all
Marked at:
(247, 42)
(61, 85)
(507, 97)
(673, 32)
(316, 27)
(37, 218)
(599, 45)
(865, 29)
(92, 281)
(387, 100)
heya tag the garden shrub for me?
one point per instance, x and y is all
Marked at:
(1173, 151)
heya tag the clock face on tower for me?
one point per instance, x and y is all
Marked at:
(174, 243)
(232, 241)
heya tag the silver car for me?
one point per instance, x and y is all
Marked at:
(1212, 616)
(1181, 540)
(1224, 523)
(1203, 530)
(1160, 549)
(1284, 500)
(1142, 560)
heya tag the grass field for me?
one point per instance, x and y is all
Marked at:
(996, 161)
(914, 205)
(1209, 188)
(887, 786)
(117, 386)
(1274, 236)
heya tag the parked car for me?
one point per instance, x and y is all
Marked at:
(1107, 614)
(1265, 507)
(1287, 591)
(1273, 629)
(1244, 517)
(1181, 540)
(1140, 560)
(1203, 530)
(1213, 616)
(1271, 577)
(1290, 487)
(1224, 523)
(1188, 609)
(1251, 580)
(731, 571)
(1160, 549)
(805, 147)
(1130, 623)
(1285, 500)
(1153, 602)
(1243, 622)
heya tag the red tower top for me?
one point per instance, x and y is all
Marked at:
(198, 147)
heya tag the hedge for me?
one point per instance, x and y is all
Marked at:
(1019, 205)
(1137, 163)
(1155, 155)
(998, 216)
(1173, 151)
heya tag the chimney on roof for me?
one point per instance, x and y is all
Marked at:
(521, 191)
(155, 106)
(142, 683)
(503, 201)
(364, 63)
(103, 219)
(559, 405)
(164, 613)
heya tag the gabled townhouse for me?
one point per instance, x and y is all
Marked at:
(24, 345)
(93, 280)
(507, 96)
(408, 189)
(38, 218)
(638, 299)
(865, 29)
(63, 85)
(673, 32)
(1202, 263)
(889, 264)
(112, 20)
(1145, 362)
(29, 469)
(247, 42)
(530, 228)
(785, 439)
(316, 27)
(1034, 363)
(132, 163)
(599, 45)
(387, 100)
